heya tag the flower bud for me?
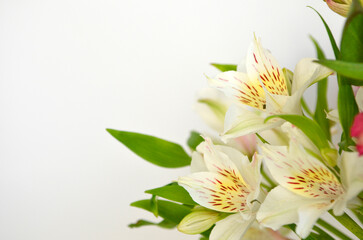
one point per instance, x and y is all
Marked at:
(199, 220)
(340, 6)
(357, 132)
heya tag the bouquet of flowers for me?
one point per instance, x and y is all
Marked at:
(276, 166)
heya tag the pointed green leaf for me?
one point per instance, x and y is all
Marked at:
(319, 52)
(321, 101)
(168, 210)
(194, 140)
(164, 224)
(173, 192)
(224, 67)
(155, 150)
(351, 51)
(311, 129)
(331, 37)
(351, 70)
(154, 205)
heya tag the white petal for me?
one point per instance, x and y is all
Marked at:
(275, 136)
(279, 208)
(275, 103)
(333, 115)
(212, 106)
(231, 228)
(197, 164)
(218, 159)
(351, 171)
(241, 121)
(239, 87)
(240, 161)
(299, 172)
(216, 192)
(296, 134)
(307, 73)
(246, 144)
(231, 163)
(293, 104)
(308, 215)
(262, 65)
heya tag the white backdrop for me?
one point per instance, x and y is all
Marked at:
(71, 68)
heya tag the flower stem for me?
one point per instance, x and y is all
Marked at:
(350, 224)
(332, 229)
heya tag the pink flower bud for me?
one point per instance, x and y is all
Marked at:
(340, 6)
(357, 132)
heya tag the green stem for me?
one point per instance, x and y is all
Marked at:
(350, 224)
(332, 229)
(268, 179)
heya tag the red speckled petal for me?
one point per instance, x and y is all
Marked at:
(301, 173)
(215, 191)
(262, 65)
(241, 88)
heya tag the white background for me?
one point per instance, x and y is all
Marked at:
(71, 68)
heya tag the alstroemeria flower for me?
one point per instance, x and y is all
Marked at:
(212, 106)
(260, 88)
(224, 180)
(357, 132)
(307, 188)
(340, 6)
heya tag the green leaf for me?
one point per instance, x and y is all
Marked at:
(164, 224)
(173, 192)
(207, 233)
(194, 140)
(154, 150)
(322, 101)
(331, 37)
(224, 67)
(168, 210)
(351, 51)
(311, 129)
(154, 205)
(352, 70)
(352, 43)
(319, 52)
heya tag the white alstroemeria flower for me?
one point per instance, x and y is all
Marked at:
(307, 188)
(224, 180)
(212, 106)
(260, 89)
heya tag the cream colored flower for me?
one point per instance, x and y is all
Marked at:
(260, 89)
